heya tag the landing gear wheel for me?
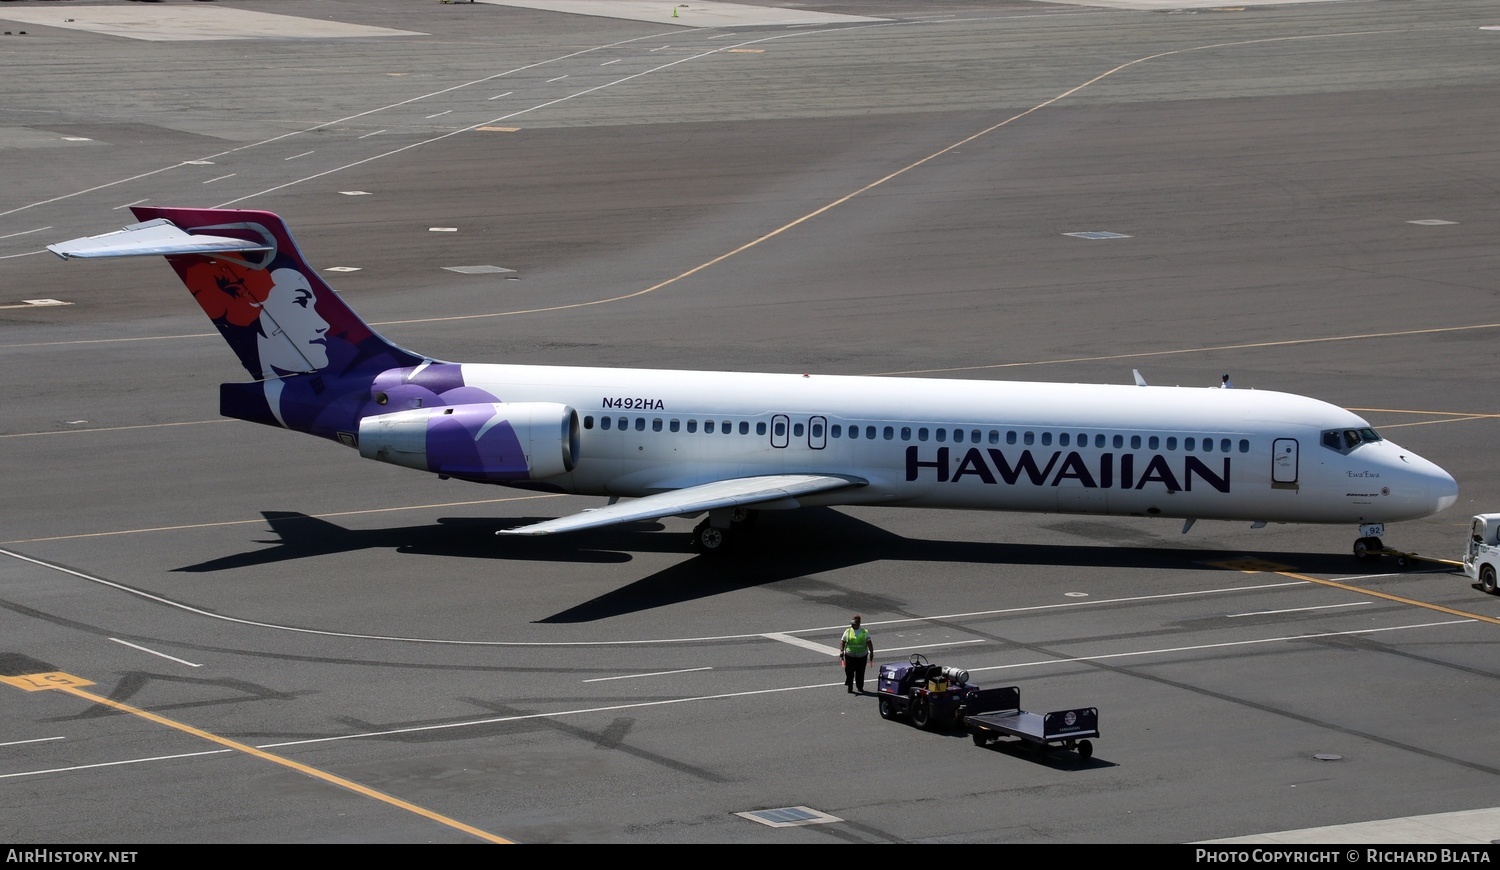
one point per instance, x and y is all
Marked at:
(707, 539)
(1368, 548)
(887, 709)
(1487, 579)
(744, 516)
(921, 713)
(1085, 750)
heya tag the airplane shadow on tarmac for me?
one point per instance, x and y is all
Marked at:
(775, 549)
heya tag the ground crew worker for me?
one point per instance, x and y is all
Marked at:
(855, 649)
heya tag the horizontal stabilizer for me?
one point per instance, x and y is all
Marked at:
(155, 237)
(739, 492)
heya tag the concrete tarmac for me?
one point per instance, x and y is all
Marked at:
(215, 632)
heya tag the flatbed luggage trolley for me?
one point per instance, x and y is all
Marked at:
(990, 714)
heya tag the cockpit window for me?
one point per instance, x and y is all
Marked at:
(1345, 440)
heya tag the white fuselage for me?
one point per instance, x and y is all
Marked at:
(1202, 453)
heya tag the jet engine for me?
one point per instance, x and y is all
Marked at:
(499, 442)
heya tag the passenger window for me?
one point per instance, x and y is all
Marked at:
(1099, 439)
(779, 429)
(708, 426)
(1028, 438)
(1153, 442)
(622, 423)
(854, 432)
(744, 427)
(1135, 442)
(797, 429)
(1244, 445)
(817, 430)
(604, 422)
(588, 422)
(958, 436)
(640, 424)
(1119, 441)
(1172, 442)
(1063, 438)
(726, 428)
(675, 425)
(869, 433)
(1189, 443)
(837, 431)
(692, 426)
(942, 435)
(1046, 439)
(760, 428)
(994, 436)
(1208, 445)
(1010, 437)
(890, 432)
(656, 425)
(905, 433)
(922, 434)
(1223, 445)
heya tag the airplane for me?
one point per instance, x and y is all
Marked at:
(729, 444)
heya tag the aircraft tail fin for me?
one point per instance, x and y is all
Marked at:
(245, 271)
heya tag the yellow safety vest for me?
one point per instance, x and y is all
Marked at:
(856, 643)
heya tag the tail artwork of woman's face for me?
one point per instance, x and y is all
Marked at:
(269, 317)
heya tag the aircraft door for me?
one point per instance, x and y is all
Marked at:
(817, 433)
(780, 426)
(1284, 463)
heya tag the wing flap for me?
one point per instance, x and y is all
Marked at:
(155, 237)
(737, 492)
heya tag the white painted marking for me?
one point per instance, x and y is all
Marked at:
(805, 644)
(198, 162)
(37, 740)
(1297, 609)
(25, 232)
(652, 674)
(368, 135)
(76, 139)
(659, 49)
(558, 79)
(1432, 222)
(155, 653)
(76, 422)
(44, 303)
(303, 154)
(921, 646)
(355, 192)
(129, 204)
(721, 36)
(498, 96)
(439, 114)
(608, 62)
(1075, 595)
(442, 229)
(115, 763)
(342, 269)
(221, 178)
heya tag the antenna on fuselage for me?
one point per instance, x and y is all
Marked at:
(1139, 381)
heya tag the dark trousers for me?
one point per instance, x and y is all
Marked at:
(854, 671)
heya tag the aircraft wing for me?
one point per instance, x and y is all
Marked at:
(738, 492)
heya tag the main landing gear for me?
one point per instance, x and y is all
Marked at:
(712, 534)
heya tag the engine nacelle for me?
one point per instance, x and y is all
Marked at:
(498, 441)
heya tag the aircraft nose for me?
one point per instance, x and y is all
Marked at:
(1438, 488)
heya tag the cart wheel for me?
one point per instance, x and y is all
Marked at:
(1487, 579)
(921, 713)
(1085, 750)
(1402, 561)
(979, 738)
(887, 709)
